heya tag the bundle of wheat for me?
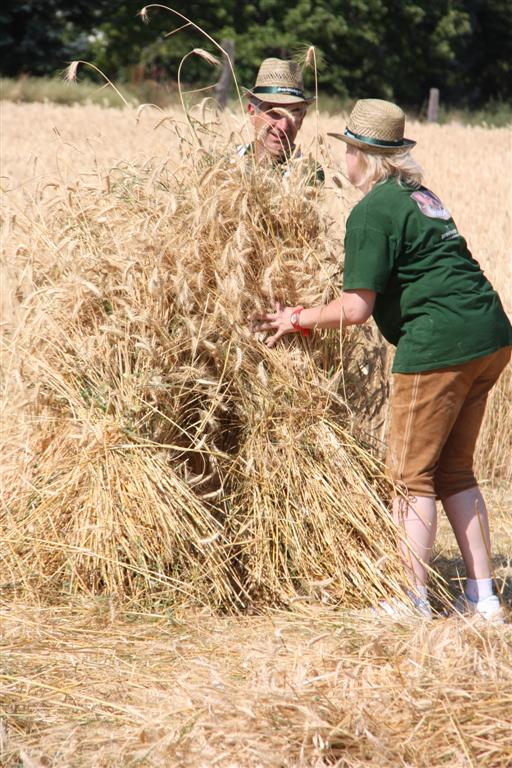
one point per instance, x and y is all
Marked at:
(168, 449)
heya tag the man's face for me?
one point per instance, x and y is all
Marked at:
(277, 125)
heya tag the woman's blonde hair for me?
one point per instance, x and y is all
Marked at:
(378, 167)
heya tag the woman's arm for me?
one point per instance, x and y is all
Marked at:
(353, 308)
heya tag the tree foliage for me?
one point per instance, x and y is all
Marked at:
(41, 36)
(388, 48)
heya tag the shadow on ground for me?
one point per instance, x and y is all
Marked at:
(452, 571)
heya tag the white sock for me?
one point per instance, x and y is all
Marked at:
(418, 595)
(478, 589)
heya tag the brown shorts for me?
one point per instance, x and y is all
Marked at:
(435, 421)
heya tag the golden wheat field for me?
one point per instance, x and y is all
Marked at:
(190, 538)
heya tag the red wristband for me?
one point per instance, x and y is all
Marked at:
(295, 321)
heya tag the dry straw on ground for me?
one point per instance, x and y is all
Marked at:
(85, 687)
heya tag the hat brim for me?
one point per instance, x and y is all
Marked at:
(279, 98)
(380, 149)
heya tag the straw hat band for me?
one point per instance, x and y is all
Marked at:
(370, 140)
(279, 89)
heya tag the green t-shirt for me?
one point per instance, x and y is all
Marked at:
(433, 301)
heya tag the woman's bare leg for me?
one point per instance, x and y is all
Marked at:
(416, 518)
(468, 517)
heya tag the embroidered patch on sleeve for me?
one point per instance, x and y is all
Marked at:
(430, 205)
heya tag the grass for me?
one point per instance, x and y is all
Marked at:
(496, 114)
(56, 90)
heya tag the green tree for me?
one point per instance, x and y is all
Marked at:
(488, 72)
(425, 44)
(41, 36)
(385, 48)
(123, 39)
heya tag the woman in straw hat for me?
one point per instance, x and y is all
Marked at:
(277, 107)
(408, 266)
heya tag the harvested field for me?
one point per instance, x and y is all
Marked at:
(157, 464)
(88, 685)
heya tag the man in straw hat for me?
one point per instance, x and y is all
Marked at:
(277, 107)
(408, 266)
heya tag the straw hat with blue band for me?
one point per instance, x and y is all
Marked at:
(279, 82)
(375, 125)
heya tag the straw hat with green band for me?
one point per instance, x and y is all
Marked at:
(375, 125)
(279, 82)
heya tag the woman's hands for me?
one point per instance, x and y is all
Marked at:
(354, 307)
(278, 321)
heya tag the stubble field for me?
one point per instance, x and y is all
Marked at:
(276, 661)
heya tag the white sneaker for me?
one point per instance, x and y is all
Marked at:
(399, 608)
(489, 608)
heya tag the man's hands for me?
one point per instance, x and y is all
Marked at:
(278, 321)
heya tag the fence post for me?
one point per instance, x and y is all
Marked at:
(433, 105)
(223, 87)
